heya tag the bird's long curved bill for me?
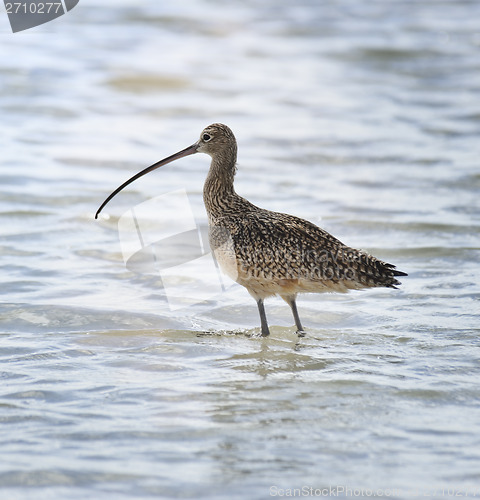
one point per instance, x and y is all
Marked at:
(185, 152)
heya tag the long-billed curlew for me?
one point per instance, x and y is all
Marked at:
(271, 253)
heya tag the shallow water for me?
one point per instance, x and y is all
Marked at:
(362, 118)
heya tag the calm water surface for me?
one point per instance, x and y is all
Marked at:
(364, 118)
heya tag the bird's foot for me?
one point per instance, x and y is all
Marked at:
(301, 333)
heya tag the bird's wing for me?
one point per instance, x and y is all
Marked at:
(288, 247)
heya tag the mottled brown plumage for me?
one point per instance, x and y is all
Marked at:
(272, 253)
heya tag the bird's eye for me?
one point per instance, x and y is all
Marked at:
(206, 137)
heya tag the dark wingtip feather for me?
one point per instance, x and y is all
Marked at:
(392, 271)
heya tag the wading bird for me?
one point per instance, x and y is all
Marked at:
(271, 253)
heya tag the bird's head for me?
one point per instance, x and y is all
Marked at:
(216, 140)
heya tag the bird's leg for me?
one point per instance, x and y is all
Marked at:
(290, 300)
(263, 318)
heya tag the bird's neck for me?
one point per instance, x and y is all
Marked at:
(218, 191)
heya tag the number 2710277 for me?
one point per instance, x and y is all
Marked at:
(33, 7)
